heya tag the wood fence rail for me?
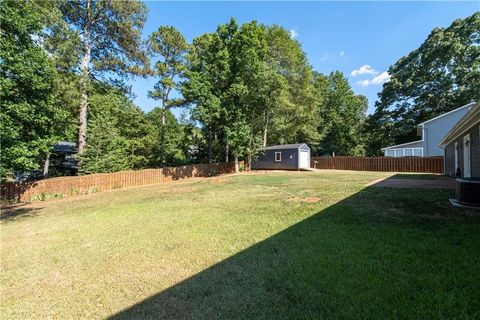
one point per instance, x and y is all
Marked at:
(404, 164)
(61, 187)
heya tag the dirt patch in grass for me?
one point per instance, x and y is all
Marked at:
(178, 190)
(217, 181)
(305, 200)
(294, 199)
(311, 199)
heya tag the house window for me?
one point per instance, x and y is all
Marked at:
(408, 152)
(278, 156)
(389, 153)
(418, 152)
(399, 153)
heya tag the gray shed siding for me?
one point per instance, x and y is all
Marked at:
(474, 153)
(434, 131)
(290, 157)
(266, 160)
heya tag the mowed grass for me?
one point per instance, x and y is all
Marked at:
(297, 245)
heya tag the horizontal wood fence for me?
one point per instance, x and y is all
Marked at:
(404, 164)
(62, 187)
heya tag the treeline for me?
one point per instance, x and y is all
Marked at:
(65, 71)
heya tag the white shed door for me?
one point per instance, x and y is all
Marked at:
(304, 159)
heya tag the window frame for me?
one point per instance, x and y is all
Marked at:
(279, 153)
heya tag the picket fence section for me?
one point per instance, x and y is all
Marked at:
(389, 164)
(62, 187)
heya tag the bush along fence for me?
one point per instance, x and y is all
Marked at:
(62, 187)
(404, 164)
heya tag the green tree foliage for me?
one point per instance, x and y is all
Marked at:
(342, 114)
(441, 75)
(30, 116)
(129, 120)
(294, 117)
(106, 150)
(250, 86)
(110, 34)
(172, 151)
(134, 137)
(208, 78)
(170, 47)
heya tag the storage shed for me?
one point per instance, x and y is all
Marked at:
(284, 157)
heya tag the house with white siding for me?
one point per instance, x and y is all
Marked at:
(431, 133)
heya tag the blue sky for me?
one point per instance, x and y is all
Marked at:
(335, 35)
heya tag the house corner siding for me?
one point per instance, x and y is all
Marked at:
(474, 153)
(450, 160)
(475, 150)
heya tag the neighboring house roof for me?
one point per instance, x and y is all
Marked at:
(421, 125)
(401, 145)
(286, 146)
(65, 146)
(471, 118)
(447, 113)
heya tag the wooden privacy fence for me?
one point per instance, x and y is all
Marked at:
(70, 186)
(404, 164)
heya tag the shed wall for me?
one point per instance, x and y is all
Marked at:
(267, 160)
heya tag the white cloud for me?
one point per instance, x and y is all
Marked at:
(324, 56)
(380, 79)
(364, 83)
(366, 69)
(342, 53)
(293, 33)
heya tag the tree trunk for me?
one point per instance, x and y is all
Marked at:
(209, 146)
(82, 130)
(237, 168)
(46, 165)
(162, 138)
(265, 129)
(226, 150)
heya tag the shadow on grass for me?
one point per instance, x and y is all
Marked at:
(370, 256)
(18, 211)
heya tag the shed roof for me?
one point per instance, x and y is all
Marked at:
(285, 146)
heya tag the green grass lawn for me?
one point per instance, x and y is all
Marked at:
(297, 245)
